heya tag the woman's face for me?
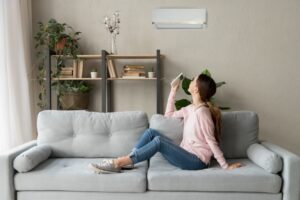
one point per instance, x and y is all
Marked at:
(193, 86)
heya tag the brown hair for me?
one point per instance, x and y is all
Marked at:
(207, 87)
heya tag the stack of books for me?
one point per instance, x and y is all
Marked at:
(69, 72)
(66, 72)
(134, 71)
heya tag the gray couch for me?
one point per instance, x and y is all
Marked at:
(76, 138)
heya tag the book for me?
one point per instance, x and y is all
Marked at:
(74, 68)
(66, 76)
(80, 68)
(131, 67)
(66, 72)
(134, 74)
(109, 70)
(67, 69)
(112, 68)
(124, 76)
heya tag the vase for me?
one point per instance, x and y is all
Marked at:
(113, 47)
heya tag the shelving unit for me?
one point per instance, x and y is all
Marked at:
(157, 57)
(105, 81)
(49, 79)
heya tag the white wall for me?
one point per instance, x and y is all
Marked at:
(252, 45)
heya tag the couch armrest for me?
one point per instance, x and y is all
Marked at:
(290, 172)
(7, 190)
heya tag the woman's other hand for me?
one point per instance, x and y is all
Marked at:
(235, 165)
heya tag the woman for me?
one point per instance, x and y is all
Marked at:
(201, 134)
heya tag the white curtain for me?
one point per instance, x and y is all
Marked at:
(15, 67)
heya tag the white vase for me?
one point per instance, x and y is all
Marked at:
(93, 74)
(113, 47)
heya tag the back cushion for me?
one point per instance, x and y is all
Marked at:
(90, 134)
(239, 131)
(171, 127)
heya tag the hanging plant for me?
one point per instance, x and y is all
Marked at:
(59, 39)
(185, 86)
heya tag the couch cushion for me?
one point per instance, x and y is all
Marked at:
(29, 159)
(163, 176)
(265, 158)
(73, 174)
(239, 131)
(90, 134)
(171, 127)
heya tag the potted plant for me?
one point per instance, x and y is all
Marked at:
(151, 73)
(75, 95)
(185, 86)
(94, 73)
(59, 39)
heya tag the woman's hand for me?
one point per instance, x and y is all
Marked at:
(235, 165)
(175, 88)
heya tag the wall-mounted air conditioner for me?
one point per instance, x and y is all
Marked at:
(179, 18)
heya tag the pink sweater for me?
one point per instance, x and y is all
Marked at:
(198, 131)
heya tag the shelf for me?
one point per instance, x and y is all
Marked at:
(111, 79)
(83, 56)
(133, 56)
(76, 79)
(106, 86)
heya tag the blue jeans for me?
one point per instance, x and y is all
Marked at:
(152, 142)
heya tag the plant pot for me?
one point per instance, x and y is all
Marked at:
(60, 45)
(151, 74)
(74, 101)
(93, 74)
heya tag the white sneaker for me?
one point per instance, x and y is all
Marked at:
(106, 166)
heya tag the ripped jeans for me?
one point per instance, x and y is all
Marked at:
(152, 142)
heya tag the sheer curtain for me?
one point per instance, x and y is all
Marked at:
(15, 63)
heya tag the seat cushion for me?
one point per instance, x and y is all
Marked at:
(107, 134)
(163, 176)
(73, 174)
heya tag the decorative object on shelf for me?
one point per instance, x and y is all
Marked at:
(75, 95)
(185, 86)
(60, 39)
(134, 71)
(112, 25)
(94, 73)
(151, 73)
(179, 18)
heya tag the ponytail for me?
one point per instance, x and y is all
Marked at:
(217, 119)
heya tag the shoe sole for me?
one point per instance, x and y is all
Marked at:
(101, 171)
(128, 167)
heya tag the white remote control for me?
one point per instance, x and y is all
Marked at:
(177, 79)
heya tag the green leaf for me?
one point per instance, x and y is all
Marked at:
(224, 107)
(219, 84)
(182, 103)
(206, 72)
(185, 85)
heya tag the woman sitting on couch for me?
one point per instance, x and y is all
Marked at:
(201, 134)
